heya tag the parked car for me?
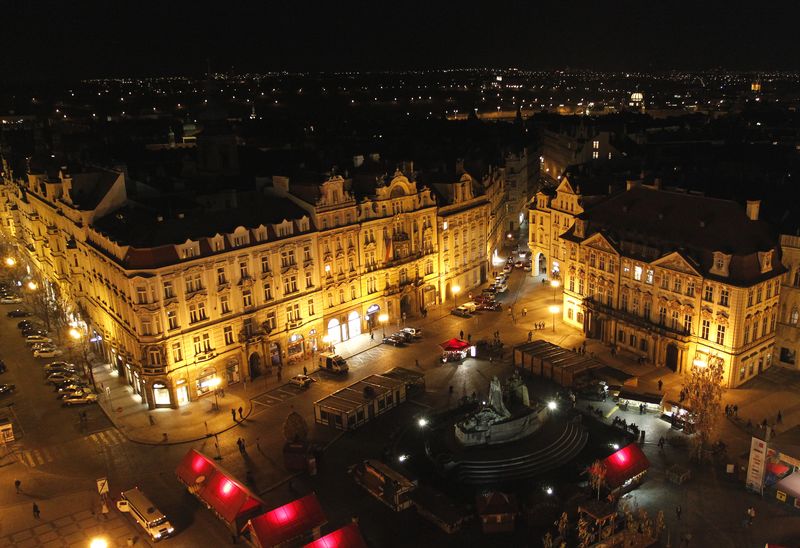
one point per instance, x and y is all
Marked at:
(63, 371)
(527, 267)
(519, 264)
(60, 365)
(6, 389)
(415, 332)
(460, 312)
(490, 305)
(81, 399)
(26, 324)
(62, 377)
(31, 339)
(491, 290)
(35, 330)
(42, 346)
(394, 340)
(18, 313)
(72, 388)
(508, 268)
(501, 288)
(470, 306)
(403, 336)
(303, 381)
(47, 353)
(10, 300)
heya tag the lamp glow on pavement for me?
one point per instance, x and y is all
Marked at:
(98, 542)
(32, 286)
(551, 405)
(10, 261)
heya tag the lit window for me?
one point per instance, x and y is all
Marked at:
(637, 273)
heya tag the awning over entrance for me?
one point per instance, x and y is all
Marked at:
(454, 345)
(625, 464)
(347, 537)
(230, 500)
(287, 522)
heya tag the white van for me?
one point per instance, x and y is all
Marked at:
(332, 362)
(152, 520)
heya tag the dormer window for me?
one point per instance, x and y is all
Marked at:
(765, 260)
(720, 264)
(189, 250)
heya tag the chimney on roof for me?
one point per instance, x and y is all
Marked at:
(752, 209)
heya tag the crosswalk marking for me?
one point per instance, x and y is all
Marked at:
(39, 457)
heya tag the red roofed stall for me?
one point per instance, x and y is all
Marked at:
(230, 500)
(290, 524)
(625, 467)
(348, 536)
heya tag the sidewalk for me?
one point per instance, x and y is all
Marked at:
(66, 520)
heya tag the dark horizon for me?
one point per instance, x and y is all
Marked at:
(98, 40)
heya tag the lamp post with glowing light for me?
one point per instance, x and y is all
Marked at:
(214, 384)
(554, 309)
(326, 340)
(383, 318)
(456, 290)
(10, 261)
(555, 284)
(78, 339)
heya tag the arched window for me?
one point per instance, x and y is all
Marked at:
(795, 315)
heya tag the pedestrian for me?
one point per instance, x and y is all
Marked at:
(233, 414)
(735, 410)
(241, 416)
(149, 418)
(258, 444)
(243, 446)
(36, 512)
(305, 371)
(660, 384)
(371, 335)
(461, 335)
(469, 338)
(780, 417)
(751, 513)
(416, 362)
(661, 444)
(17, 485)
(530, 336)
(678, 512)
(524, 311)
(104, 510)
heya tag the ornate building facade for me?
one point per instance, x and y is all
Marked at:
(787, 343)
(673, 278)
(223, 291)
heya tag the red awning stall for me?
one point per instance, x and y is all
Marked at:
(625, 467)
(347, 537)
(290, 524)
(230, 500)
(454, 350)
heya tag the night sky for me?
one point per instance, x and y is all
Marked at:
(61, 39)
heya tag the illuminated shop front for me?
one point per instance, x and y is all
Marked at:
(206, 381)
(161, 396)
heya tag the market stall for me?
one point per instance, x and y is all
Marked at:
(454, 350)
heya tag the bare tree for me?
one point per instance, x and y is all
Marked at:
(597, 476)
(562, 524)
(547, 540)
(704, 399)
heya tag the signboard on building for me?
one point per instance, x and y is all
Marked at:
(757, 464)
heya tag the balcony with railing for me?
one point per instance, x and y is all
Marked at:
(679, 333)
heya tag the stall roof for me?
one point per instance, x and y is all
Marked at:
(645, 397)
(454, 345)
(351, 397)
(790, 485)
(230, 499)
(287, 522)
(338, 404)
(348, 536)
(625, 464)
(788, 442)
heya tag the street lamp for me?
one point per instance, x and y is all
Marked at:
(555, 284)
(456, 290)
(383, 318)
(554, 309)
(326, 339)
(10, 261)
(214, 383)
(33, 286)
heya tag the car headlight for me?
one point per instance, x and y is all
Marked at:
(170, 530)
(157, 535)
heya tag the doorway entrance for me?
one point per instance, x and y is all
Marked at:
(672, 357)
(255, 365)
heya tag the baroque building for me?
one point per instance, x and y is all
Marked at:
(186, 296)
(787, 340)
(676, 279)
